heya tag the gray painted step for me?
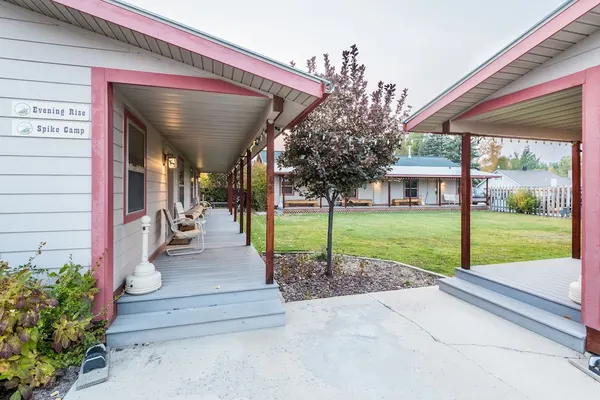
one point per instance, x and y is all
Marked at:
(159, 326)
(566, 332)
(173, 297)
(555, 306)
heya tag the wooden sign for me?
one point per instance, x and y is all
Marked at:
(50, 110)
(51, 128)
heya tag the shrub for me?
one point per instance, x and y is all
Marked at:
(523, 201)
(259, 187)
(43, 327)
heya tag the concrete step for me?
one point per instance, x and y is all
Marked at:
(564, 331)
(564, 309)
(160, 326)
(172, 297)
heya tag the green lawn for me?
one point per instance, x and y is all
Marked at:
(430, 240)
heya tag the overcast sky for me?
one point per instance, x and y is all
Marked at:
(425, 45)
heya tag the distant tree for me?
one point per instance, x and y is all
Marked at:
(453, 150)
(259, 186)
(433, 145)
(503, 163)
(491, 152)
(562, 167)
(526, 160)
(213, 187)
(349, 141)
(412, 141)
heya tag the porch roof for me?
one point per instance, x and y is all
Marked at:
(560, 30)
(259, 79)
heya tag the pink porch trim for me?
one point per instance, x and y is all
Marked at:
(590, 307)
(178, 82)
(556, 85)
(129, 116)
(102, 190)
(557, 23)
(197, 44)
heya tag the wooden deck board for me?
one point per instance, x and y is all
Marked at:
(547, 278)
(225, 262)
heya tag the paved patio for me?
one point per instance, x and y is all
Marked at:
(410, 344)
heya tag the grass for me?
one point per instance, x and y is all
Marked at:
(429, 240)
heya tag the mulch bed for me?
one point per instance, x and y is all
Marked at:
(65, 378)
(302, 276)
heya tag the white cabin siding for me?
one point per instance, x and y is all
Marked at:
(581, 56)
(45, 183)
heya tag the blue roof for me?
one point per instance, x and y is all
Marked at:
(405, 161)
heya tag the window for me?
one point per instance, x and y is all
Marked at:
(287, 186)
(412, 190)
(134, 167)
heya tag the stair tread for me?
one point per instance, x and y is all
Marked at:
(186, 290)
(547, 318)
(192, 316)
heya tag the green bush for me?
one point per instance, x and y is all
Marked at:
(523, 201)
(259, 187)
(43, 327)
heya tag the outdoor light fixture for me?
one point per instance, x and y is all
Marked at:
(170, 160)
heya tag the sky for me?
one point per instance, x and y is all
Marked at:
(424, 45)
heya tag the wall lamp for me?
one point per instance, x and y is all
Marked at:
(170, 160)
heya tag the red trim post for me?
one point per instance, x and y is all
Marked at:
(439, 192)
(281, 180)
(242, 195)
(590, 262)
(235, 194)
(270, 237)
(409, 192)
(248, 197)
(389, 193)
(487, 195)
(465, 208)
(102, 191)
(576, 201)
(229, 192)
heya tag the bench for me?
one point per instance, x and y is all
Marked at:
(450, 198)
(406, 202)
(359, 202)
(301, 203)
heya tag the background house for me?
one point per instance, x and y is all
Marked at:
(425, 180)
(518, 178)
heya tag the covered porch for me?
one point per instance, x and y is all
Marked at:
(538, 88)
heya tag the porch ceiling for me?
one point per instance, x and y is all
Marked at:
(209, 128)
(560, 110)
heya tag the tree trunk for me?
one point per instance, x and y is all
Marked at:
(330, 239)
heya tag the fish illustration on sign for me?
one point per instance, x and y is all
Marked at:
(22, 109)
(24, 128)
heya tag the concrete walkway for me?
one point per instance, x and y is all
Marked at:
(409, 344)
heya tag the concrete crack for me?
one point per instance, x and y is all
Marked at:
(576, 356)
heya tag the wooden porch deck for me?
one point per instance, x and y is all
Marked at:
(220, 290)
(549, 279)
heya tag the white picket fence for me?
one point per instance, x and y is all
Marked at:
(553, 201)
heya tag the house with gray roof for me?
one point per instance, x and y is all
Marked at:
(528, 178)
(410, 181)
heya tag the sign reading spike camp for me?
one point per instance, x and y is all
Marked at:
(50, 119)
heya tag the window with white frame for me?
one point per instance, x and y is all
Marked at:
(135, 167)
(411, 188)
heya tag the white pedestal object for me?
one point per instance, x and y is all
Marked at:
(575, 291)
(145, 278)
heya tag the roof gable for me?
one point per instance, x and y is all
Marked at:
(535, 177)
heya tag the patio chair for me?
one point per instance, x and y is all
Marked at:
(195, 214)
(206, 205)
(450, 198)
(196, 233)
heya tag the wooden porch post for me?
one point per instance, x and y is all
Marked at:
(270, 237)
(321, 201)
(242, 195)
(465, 209)
(439, 192)
(281, 178)
(229, 194)
(487, 197)
(409, 192)
(248, 197)
(576, 201)
(389, 193)
(235, 194)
